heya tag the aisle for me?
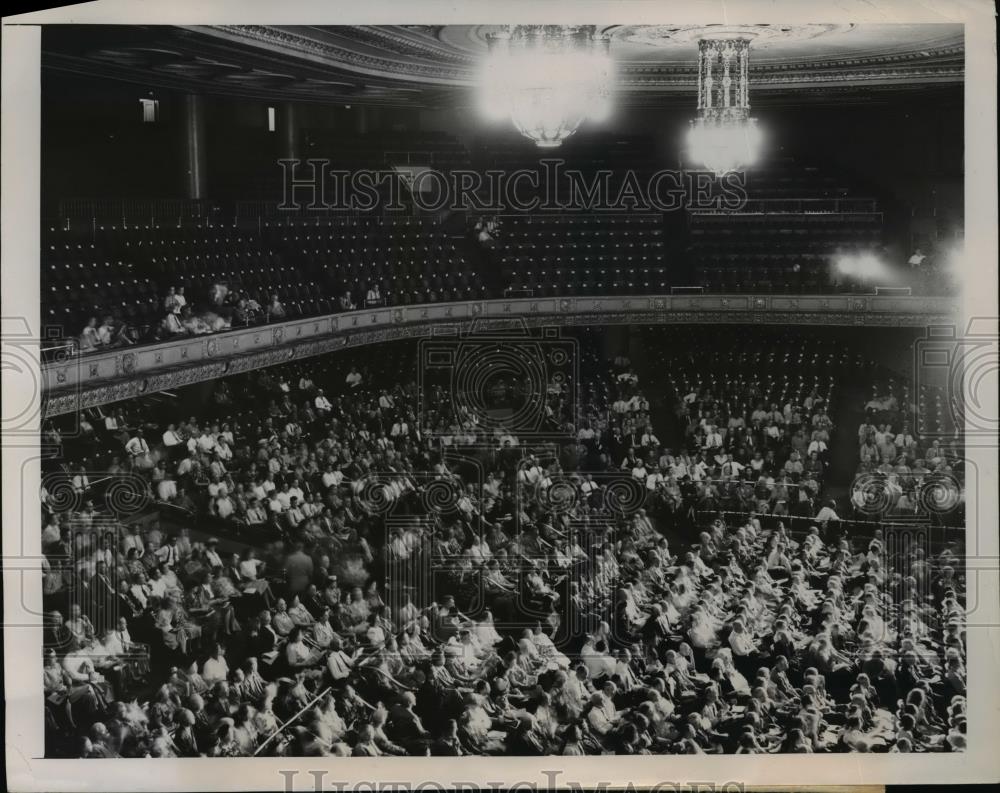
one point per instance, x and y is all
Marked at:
(655, 384)
(849, 415)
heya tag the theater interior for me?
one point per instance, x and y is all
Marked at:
(548, 470)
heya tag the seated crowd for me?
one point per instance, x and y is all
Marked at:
(902, 471)
(330, 573)
(761, 423)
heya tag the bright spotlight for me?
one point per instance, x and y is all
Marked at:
(863, 266)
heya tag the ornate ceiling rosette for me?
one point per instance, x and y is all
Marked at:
(657, 35)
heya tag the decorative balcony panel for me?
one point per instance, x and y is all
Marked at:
(85, 381)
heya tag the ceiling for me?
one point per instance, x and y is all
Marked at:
(436, 66)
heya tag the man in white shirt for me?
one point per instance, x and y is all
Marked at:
(296, 492)
(827, 513)
(81, 482)
(817, 446)
(122, 635)
(188, 464)
(699, 470)
(732, 467)
(171, 438)
(333, 477)
(353, 378)
(713, 440)
(255, 513)
(322, 403)
(168, 554)
(137, 446)
(206, 441)
(905, 440)
(284, 498)
(588, 486)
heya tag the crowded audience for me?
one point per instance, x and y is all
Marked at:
(909, 457)
(322, 563)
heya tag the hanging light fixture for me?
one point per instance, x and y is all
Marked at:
(547, 79)
(724, 137)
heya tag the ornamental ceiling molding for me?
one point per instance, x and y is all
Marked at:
(768, 68)
(762, 35)
(848, 80)
(297, 44)
(395, 38)
(655, 35)
(357, 64)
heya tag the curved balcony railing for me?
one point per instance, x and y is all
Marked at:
(72, 382)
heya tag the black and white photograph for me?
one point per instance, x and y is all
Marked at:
(526, 383)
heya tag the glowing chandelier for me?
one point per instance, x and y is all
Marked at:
(547, 79)
(724, 137)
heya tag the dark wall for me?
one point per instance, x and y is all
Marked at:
(908, 152)
(94, 143)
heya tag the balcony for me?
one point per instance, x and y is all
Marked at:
(73, 382)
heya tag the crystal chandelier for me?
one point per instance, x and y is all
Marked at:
(547, 79)
(724, 137)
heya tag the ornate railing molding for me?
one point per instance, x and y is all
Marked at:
(76, 382)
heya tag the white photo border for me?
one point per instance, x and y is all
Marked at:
(26, 768)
